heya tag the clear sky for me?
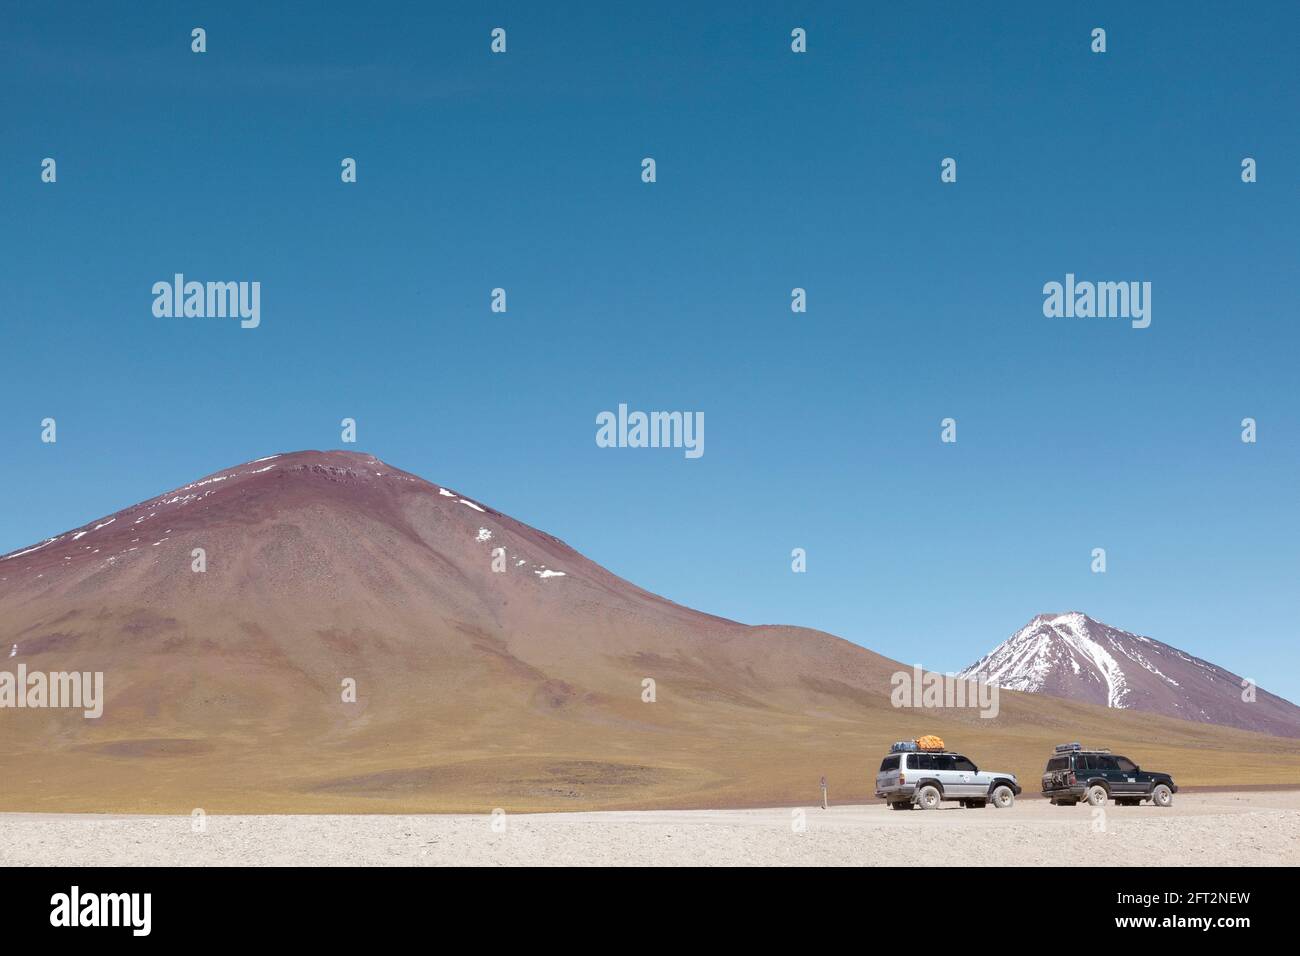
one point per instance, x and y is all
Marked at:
(775, 170)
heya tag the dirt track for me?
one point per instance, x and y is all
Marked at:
(1230, 829)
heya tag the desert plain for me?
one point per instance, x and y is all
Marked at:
(1239, 828)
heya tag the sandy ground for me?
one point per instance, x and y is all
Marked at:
(1231, 829)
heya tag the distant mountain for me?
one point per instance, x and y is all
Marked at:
(1073, 656)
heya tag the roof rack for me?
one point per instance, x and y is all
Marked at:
(1080, 748)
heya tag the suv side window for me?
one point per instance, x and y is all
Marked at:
(1084, 762)
(942, 761)
(1126, 765)
(1106, 762)
(963, 763)
(920, 761)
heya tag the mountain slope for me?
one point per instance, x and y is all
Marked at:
(475, 688)
(1075, 657)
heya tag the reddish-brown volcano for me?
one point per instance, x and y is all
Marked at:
(475, 688)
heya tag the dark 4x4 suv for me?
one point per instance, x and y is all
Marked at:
(1075, 774)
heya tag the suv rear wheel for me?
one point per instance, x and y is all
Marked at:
(1002, 796)
(1096, 795)
(928, 797)
(1162, 796)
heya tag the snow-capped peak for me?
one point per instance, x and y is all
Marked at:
(1073, 656)
(1034, 655)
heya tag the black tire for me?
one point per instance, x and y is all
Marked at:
(1003, 797)
(1096, 795)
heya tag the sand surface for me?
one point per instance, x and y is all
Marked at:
(1230, 829)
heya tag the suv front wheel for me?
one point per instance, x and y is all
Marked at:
(1003, 797)
(928, 797)
(1162, 796)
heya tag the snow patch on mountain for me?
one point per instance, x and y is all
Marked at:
(38, 547)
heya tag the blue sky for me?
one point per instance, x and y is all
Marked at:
(775, 170)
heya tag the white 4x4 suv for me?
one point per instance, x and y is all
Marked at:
(922, 779)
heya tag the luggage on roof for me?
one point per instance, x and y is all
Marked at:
(902, 746)
(929, 742)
